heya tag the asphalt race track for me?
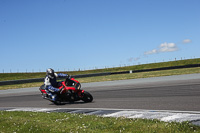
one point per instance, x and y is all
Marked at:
(180, 93)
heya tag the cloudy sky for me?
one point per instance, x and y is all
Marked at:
(88, 34)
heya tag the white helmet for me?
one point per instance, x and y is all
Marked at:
(50, 72)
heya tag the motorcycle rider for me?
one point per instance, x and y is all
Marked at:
(51, 84)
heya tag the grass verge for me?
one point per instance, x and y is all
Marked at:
(17, 76)
(116, 77)
(20, 122)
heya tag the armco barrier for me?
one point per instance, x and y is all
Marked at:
(11, 82)
(98, 74)
(91, 75)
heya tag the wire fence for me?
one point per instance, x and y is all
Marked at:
(90, 68)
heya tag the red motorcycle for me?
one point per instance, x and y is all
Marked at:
(71, 92)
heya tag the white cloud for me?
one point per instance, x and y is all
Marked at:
(135, 59)
(187, 41)
(167, 47)
(164, 47)
(154, 51)
(130, 59)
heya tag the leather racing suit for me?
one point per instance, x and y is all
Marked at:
(51, 85)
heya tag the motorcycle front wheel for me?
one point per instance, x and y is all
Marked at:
(87, 97)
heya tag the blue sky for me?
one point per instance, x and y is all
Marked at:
(88, 34)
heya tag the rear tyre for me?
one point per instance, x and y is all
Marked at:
(57, 102)
(87, 97)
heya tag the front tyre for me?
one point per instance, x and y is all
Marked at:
(87, 97)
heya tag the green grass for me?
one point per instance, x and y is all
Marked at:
(115, 77)
(23, 122)
(141, 75)
(17, 76)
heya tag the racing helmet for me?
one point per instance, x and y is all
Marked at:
(50, 72)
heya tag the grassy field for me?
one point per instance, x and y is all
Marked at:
(17, 76)
(115, 77)
(23, 122)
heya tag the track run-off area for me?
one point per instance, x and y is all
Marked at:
(169, 98)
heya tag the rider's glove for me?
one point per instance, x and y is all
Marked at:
(68, 77)
(61, 90)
